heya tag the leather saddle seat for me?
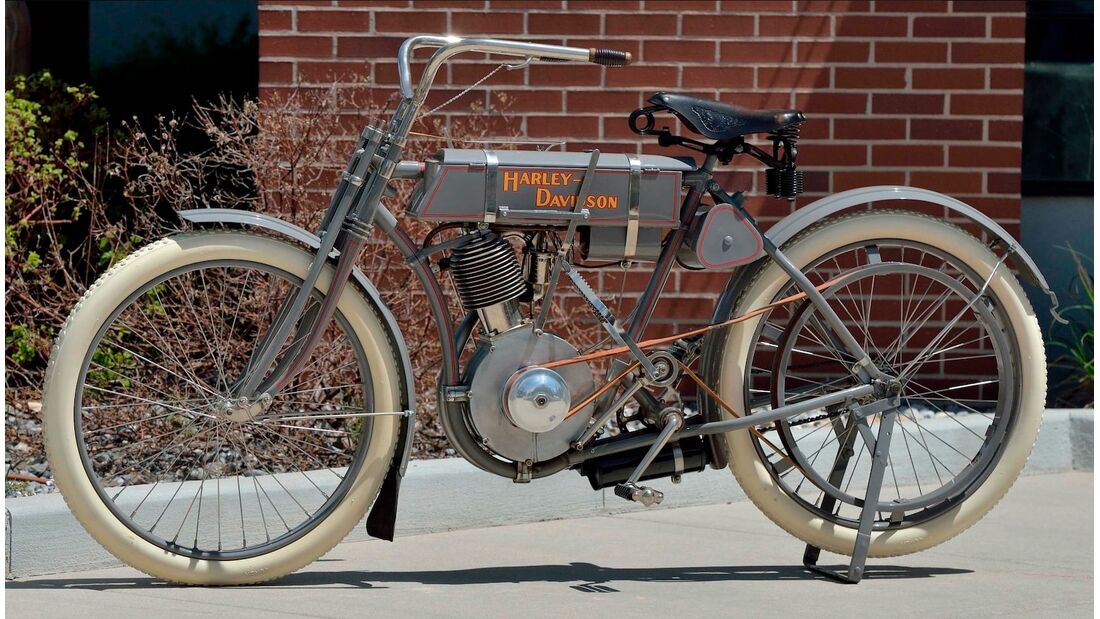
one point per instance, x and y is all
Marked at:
(722, 121)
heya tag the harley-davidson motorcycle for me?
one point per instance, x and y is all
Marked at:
(226, 403)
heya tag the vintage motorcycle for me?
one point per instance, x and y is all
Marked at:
(226, 403)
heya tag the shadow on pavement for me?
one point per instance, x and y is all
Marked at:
(588, 577)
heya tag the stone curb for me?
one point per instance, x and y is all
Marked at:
(444, 495)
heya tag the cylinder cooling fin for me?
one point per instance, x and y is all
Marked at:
(485, 272)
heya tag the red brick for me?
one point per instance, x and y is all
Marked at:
(658, 77)
(870, 77)
(988, 53)
(1006, 130)
(562, 126)
(869, 128)
(830, 52)
(1009, 27)
(525, 5)
(832, 154)
(652, 24)
(717, 25)
(944, 129)
(952, 27)
(948, 182)
(326, 72)
(276, 72)
(557, 23)
(568, 75)
(602, 100)
(756, 100)
(367, 47)
(274, 20)
(486, 23)
(907, 104)
(831, 103)
(1006, 78)
(721, 77)
(371, 4)
(948, 79)
(817, 130)
(757, 52)
(682, 5)
(411, 22)
(527, 100)
(450, 4)
(984, 156)
(871, 26)
(797, 25)
(337, 21)
(918, 155)
(986, 105)
(606, 5)
(843, 181)
(756, 6)
(988, 6)
(801, 77)
(911, 6)
(910, 51)
(1003, 182)
(312, 47)
(833, 6)
(664, 51)
(384, 72)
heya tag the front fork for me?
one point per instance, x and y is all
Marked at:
(344, 230)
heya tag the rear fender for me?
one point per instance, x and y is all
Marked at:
(380, 522)
(805, 217)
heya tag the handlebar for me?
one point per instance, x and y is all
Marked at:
(450, 46)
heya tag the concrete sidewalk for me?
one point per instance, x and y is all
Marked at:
(1032, 556)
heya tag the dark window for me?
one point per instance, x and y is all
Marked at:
(1058, 105)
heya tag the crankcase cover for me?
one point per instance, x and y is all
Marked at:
(497, 371)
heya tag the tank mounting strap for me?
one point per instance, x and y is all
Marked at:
(633, 212)
(492, 163)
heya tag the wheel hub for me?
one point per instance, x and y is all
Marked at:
(241, 409)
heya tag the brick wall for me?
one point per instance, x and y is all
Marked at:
(920, 93)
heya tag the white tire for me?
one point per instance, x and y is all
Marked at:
(755, 478)
(60, 391)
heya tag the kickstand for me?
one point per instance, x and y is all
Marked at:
(854, 573)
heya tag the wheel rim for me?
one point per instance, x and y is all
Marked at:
(184, 469)
(954, 467)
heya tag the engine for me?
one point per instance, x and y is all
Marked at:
(518, 411)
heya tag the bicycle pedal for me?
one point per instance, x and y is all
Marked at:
(639, 494)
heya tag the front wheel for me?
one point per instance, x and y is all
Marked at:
(933, 307)
(148, 448)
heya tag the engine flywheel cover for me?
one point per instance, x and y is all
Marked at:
(519, 410)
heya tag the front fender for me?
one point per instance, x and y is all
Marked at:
(380, 522)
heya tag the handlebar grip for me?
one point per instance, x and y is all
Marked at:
(609, 57)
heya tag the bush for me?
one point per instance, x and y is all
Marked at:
(81, 197)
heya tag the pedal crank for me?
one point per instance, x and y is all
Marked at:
(630, 490)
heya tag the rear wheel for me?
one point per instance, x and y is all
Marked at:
(158, 461)
(910, 290)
